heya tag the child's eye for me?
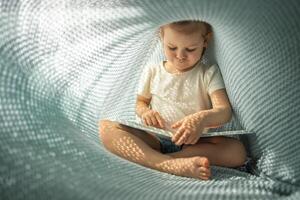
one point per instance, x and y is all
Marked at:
(190, 50)
(172, 48)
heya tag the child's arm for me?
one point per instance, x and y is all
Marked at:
(221, 111)
(142, 105)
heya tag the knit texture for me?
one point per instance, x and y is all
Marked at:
(66, 64)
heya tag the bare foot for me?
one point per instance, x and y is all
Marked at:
(194, 167)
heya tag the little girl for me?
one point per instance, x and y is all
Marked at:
(186, 97)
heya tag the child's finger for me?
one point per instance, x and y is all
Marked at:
(177, 124)
(147, 121)
(184, 137)
(177, 135)
(191, 140)
(153, 120)
(160, 121)
(190, 136)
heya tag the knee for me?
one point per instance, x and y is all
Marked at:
(234, 152)
(106, 127)
(240, 153)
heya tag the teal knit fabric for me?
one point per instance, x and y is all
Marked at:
(66, 64)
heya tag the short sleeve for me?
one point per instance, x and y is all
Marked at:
(213, 79)
(145, 82)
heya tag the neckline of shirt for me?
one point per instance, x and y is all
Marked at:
(180, 73)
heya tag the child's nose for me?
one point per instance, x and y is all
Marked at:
(180, 55)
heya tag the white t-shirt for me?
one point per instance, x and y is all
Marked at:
(175, 96)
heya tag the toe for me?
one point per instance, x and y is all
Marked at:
(204, 172)
(203, 162)
(204, 177)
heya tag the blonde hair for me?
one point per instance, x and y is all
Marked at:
(188, 27)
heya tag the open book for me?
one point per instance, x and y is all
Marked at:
(165, 133)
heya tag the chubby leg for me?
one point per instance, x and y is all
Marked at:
(220, 151)
(127, 143)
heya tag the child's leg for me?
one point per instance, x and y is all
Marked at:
(125, 144)
(220, 151)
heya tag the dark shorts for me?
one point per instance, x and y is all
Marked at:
(247, 166)
(167, 146)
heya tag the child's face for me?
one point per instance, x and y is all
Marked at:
(182, 50)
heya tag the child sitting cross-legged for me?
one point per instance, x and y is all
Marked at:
(186, 97)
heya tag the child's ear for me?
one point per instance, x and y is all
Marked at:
(207, 39)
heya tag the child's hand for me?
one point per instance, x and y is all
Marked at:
(153, 118)
(189, 130)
